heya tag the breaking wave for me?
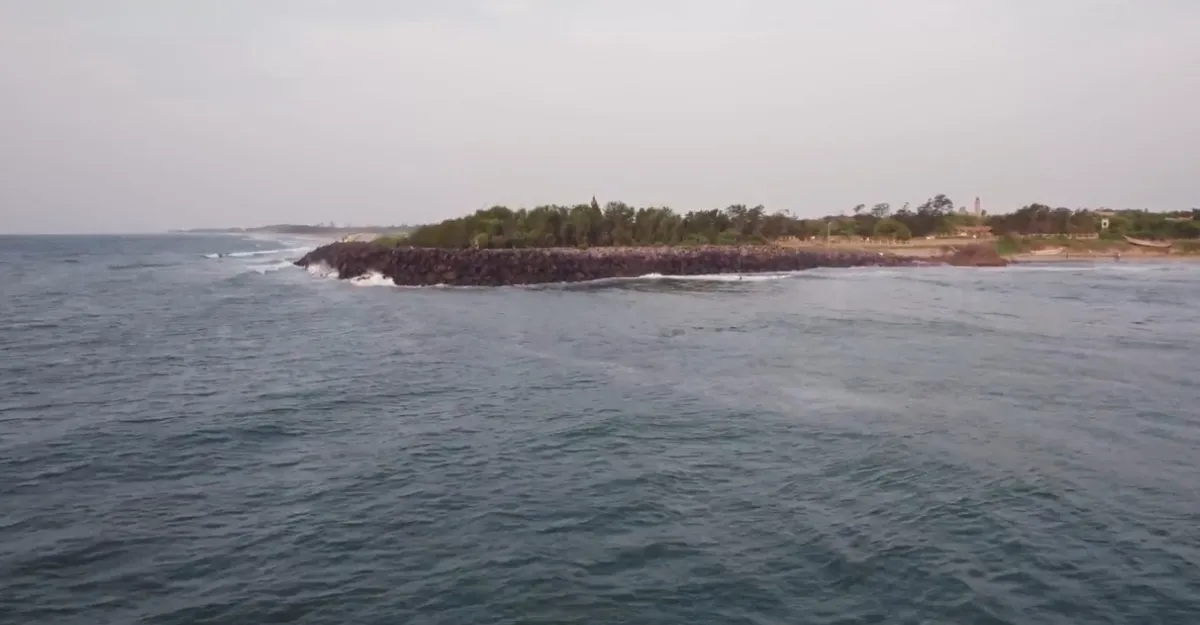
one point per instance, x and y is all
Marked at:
(141, 265)
(375, 278)
(721, 277)
(272, 266)
(251, 253)
(372, 278)
(321, 270)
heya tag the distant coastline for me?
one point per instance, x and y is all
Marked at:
(301, 229)
(934, 231)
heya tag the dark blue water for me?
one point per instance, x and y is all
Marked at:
(186, 440)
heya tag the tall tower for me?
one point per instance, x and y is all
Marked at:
(978, 208)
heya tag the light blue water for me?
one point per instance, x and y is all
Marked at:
(187, 439)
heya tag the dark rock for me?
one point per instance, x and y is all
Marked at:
(428, 266)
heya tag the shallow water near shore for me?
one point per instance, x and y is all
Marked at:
(192, 430)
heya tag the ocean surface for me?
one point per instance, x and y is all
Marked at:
(192, 430)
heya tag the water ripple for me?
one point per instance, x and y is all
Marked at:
(201, 440)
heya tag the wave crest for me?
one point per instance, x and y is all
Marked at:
(252, 253)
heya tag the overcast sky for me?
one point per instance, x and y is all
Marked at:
(124, 115)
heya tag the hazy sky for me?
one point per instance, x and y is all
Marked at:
(124, 115)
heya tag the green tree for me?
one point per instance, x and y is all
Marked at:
(617, 223)
(892, 229)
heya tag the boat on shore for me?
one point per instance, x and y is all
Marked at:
(1048, 251)
(1162, 245)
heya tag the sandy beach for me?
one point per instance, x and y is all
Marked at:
(1126, 257)
(929, 248)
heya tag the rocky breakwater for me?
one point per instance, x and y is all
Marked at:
(414, 266)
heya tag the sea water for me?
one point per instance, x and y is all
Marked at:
(192, 430)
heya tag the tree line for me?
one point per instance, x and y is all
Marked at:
(1040, 219)
(619, 224)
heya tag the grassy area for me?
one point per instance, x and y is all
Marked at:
(1008, 245)
(1092, 245)
(393, 240)
(1011, 245)
(1014, 245)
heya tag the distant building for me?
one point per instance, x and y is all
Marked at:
(978, 207)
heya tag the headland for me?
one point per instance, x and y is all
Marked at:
(419, 266)
(501, 246)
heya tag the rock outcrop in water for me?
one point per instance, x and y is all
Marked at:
(413, 266)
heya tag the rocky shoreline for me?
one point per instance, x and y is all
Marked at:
(414, 266)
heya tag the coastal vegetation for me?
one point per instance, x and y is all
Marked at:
(1040, 219)
(619, 224)
(501, 246)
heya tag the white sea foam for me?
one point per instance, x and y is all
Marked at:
(321, 270)
(252, 253)
(272, 266)
(371, 278)
(711, 277)
(722, 277)
(375, 278)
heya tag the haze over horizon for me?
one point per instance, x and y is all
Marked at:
(128, 115)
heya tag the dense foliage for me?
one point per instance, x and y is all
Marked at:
(1043, 220)
(618, 224)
